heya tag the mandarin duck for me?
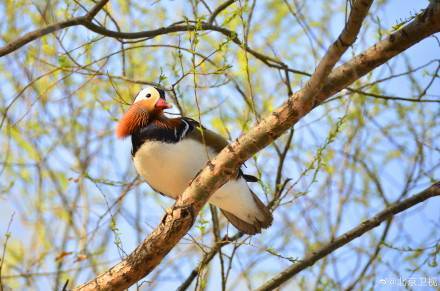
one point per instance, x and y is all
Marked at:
(169, 152)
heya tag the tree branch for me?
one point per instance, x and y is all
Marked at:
(219, 9)
(179, 220)
(86, 21)
(206, 259)
(337, 49)
(33, 35)
(425, 24)
(92, 13)
(396, 98)
(347, 237)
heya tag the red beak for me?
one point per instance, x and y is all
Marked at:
(162, 104)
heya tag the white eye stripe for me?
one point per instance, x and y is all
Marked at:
(147, 93)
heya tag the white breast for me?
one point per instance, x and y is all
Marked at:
(169, 167)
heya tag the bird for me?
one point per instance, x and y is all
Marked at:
(169, 152)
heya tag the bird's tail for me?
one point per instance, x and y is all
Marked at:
(262, 220)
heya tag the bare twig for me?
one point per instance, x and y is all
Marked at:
(33, 35)
(5, 244)
(219, 9)
(347, 237)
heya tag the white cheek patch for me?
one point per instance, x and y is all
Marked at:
(142, 94)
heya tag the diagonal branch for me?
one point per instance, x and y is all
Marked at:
(347, 237)
(179, 220)
(92, 13)
(337, 49)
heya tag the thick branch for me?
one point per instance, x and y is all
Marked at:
(423, 26)
(347, 237)
(177, 223)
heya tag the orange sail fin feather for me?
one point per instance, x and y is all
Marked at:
(136, 117)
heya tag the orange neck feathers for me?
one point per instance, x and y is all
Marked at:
(136, 117)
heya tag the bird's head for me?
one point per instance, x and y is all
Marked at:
(149, 102)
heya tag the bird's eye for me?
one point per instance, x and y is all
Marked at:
(148, 95)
